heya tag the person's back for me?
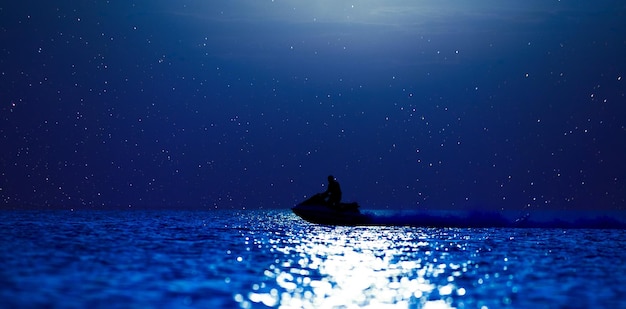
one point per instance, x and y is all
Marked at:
(333, 192)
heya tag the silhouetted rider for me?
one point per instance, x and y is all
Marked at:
(333, 192)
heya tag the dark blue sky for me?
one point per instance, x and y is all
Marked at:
(232, 104)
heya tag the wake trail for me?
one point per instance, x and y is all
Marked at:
(484, 219)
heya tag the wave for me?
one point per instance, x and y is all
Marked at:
(486, 219)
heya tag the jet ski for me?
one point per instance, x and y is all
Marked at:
(317, 210)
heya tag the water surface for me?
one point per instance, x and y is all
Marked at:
(257, 259)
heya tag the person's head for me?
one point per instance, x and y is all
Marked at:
(331, 178)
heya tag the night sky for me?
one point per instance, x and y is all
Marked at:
(252, 103)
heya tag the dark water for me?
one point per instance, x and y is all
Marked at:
(137, 259)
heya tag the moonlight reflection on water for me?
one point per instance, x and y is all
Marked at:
(365, 267)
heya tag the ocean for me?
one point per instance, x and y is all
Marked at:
(272, 258)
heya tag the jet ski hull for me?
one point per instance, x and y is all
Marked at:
(315, 210)
(321, 214)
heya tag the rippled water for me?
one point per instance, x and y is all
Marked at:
(261, 259)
